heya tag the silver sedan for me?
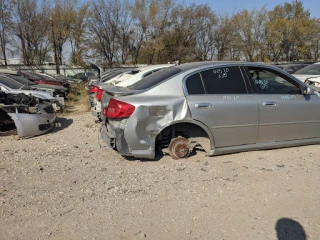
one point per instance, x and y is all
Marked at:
(222, 107)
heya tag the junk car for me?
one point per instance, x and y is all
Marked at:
(221, 107)
(28, 114)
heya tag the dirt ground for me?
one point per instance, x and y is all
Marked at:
(67, 185)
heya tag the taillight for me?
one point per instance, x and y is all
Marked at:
(93, 89)
(118, 109)
(99, 94)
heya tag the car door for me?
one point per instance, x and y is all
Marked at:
(218, 98)
(285, 112)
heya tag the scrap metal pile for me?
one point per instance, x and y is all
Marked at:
(27, 114)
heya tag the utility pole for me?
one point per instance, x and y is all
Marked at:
(56, 60)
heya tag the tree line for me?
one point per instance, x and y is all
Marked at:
(114, 32)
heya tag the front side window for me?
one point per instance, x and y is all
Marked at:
(270, 82)
(224, 80)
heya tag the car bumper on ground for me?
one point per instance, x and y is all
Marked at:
(29, 125)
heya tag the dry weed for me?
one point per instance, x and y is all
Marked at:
(77, 99)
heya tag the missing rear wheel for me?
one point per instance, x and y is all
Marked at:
(179, 148)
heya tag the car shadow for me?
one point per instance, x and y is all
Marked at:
(159, 156)
(61, 123)
(288, 229)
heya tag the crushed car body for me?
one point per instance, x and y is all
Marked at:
(27, 114)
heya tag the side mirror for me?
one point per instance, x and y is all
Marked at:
(307, 91)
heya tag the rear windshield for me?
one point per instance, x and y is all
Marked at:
(21, 80)
(313, 69)
(112, 75)
(154, 78)
(43, 77)
(30, 75)
(11, 83)
(134, 71)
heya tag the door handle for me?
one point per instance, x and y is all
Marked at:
(203, 105)
(270, 104)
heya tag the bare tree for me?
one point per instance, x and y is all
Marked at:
(205, 41)
(6, 8)
(103, 27)
(249, 26)
(152, 19)
(77, 32)
(30, 28)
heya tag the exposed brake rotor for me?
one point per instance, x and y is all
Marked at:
(179, 148)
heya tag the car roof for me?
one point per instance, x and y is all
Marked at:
(187, 66)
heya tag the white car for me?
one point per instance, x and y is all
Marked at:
(137, 74)
(310, 75)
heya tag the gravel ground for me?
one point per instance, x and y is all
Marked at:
(67, 185)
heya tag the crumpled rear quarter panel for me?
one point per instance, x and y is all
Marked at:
(155, 109)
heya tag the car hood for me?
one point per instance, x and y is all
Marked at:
(38, 94)
(304, 77)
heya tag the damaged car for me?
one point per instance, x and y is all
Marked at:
(11, 84)
(54, 90)
(219, 107)
(122, 80)
(310, 75)
(26, 114)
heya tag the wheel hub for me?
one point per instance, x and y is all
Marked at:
(179, 148)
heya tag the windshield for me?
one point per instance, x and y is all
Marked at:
(313, 69)
(154, 78)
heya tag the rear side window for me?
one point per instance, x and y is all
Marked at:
(194, 84)
(154, 78)
(224, 80)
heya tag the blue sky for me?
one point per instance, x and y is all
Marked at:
(223, 6)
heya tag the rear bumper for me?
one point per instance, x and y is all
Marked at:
(96, 110)
(115, 139)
